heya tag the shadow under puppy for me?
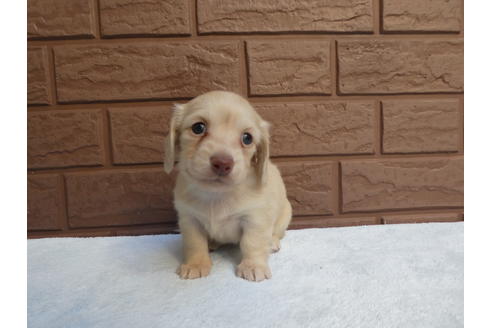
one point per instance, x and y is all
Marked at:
(227, 189)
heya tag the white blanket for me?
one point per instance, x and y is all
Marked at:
(374, 276)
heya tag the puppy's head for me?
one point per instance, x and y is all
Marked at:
(219, 141)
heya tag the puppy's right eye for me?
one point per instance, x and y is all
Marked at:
(198, 128)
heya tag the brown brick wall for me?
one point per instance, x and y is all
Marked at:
(365, 97)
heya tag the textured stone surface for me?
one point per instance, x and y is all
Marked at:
(44, 202)
(309, 186)
(420, 125)
(145, 70)
(422, 15)
(154, 17)
(59, 18)
(321, 128)
(64, 138)
(400, 66)
(328, 222)
(37, 76)
(138, 134)
(219, 16)
(137, 57)
(289, 67)
(421, 218)
(121, 197)
(402, 183)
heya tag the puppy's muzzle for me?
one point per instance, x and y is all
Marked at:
(222, 164)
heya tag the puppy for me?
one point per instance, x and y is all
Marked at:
(227, 189)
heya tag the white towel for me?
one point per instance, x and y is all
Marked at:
(408, 275)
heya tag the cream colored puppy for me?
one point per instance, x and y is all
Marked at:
(227, 189)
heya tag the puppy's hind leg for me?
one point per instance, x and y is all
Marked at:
(281, 226)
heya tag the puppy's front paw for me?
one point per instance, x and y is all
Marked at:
(193, 271)
(253, 271)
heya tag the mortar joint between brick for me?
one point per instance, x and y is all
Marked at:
(243, 70)
(193, 10)
(247, 60)
(255, 99)
(66, 225)
(340, 188)
(379, 120)
(52, 75)
(96, 16)
(135, 39)
(461, 122)
(107, 139)
(462, 24)
(378, 16)
(333, 68)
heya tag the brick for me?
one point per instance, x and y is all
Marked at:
(400, 66)
(59, 19)
(64, 138)
(151, 17)
(329, 222)
(422, 16)
(145, 70)
(37, 76)
(263, 16)
(402, 183)
(309, 187)
(287, 67)
(119, 197)
(138, 134)
(321, 128)
(412, 126)
(422, 218)
(44, 202)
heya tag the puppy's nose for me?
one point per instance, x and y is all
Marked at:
(222, 164)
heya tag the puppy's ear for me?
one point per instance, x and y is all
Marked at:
(171, 142)
(263, 153)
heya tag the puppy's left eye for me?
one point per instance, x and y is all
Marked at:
(247, 139)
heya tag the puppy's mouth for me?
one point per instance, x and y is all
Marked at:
(212, 180)
(217, 181)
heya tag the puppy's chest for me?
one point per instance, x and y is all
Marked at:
(224, 229)
(222, 223)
